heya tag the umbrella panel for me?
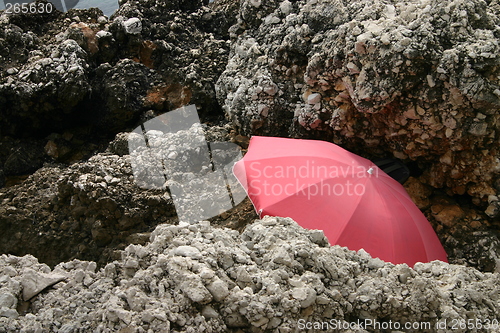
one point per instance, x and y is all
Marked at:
(378, 215)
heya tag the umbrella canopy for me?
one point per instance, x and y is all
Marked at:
(323, 186)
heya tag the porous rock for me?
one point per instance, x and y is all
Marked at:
(91, 208)
(80, 72)
(416, 80)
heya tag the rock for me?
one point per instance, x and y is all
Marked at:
(313, 99)
(44, 91)
(209, 312)
(188, 251)
(167, 289)
(219, 290)
(124, 88)
(109, 200)
(411, 80)
(102, 76)
(447, 215)
(418, 192)
(119, 145)
(9, 313)
(194, 289)
(306, 296)
(493, 207)
(368, 80)
(183, 75)
(493, 210)
(7, 300)
(133, 26)
(34, 282)
(25, 158)
(79, 211)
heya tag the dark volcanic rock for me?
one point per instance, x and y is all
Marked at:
(123, 87)
(417, 80)
(74, 69)
(43, 91)
(69, 82)
(80, 76)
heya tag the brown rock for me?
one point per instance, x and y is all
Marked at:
(418, 192)
(175, 94)
(447, 214)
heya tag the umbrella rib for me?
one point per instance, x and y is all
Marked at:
(393, 247)
(404, 201)
(352, 212)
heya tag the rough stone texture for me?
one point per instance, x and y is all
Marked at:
(34, 282)
(414, 79)
(60, 213)
(41, 83)
(197, 278)
(184, 41)
(419, 192)
(71, 81)
(91, 208)
(20, 157)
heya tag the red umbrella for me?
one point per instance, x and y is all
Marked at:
(323, 186)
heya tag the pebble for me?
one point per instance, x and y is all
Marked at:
(314, 98)
(12, 71)
(133, 26)
(187, 251)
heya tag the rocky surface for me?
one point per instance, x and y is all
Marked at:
(69, 84)
(92, 208)
(71, 81)
(417, 80)
(467, 235)
(273, 277)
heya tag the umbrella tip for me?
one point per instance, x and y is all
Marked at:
(370, 171)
